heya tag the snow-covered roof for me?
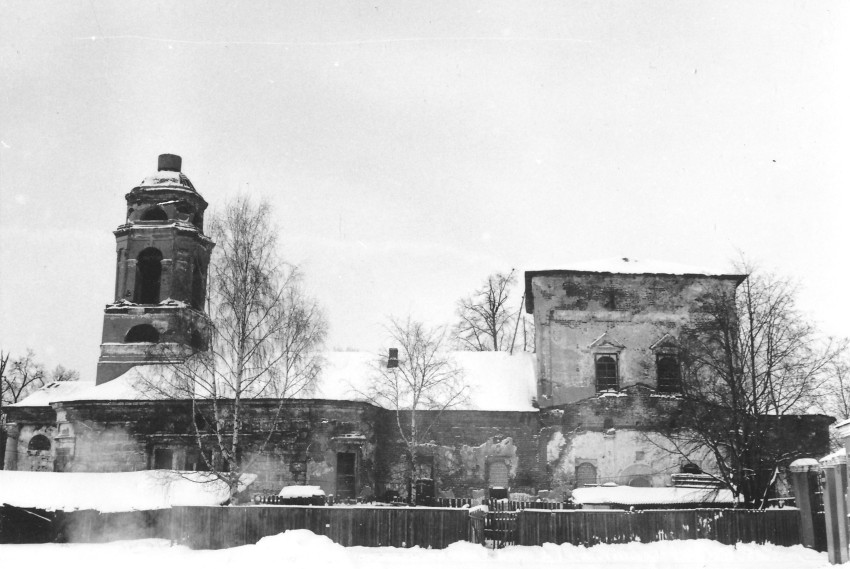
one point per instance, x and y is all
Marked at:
(301, 491)
(166, 179)
(497, 381)
(632, 496)
(113, 491)
(837, 457)
(630, 265)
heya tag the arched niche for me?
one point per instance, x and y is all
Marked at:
(148, 274)
(142, 333)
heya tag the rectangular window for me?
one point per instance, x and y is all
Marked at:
(669, 374)
(606, 372)
(163, 459)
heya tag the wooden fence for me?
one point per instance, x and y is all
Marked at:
(589, 527)
(219, 527)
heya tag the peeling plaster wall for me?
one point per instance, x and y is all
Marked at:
(464, 446)
(572, 311)
(617, 456)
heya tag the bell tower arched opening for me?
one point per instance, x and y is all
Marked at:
(155, 213)
(198, 288)
(148, 274)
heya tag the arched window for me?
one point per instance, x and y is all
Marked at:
(39, 442)
(606, 373)
(585, 474)
(198, 290)
(148, 273)
(669, 374)
(142, 333)
(639, 482)
(154, 213)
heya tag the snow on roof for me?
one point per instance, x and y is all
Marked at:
(630, 265)
(55, 391)
(632, 496)
(837, 457)
(301, 491)
(497, 381)
(113, 491)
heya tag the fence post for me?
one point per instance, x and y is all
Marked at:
(804, 479)
(835, 507)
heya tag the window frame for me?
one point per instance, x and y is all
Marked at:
(616, 377)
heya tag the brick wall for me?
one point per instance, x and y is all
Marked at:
(579, 316)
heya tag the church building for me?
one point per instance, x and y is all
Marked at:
(584, 409)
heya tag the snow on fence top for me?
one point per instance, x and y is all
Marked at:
(631, 496)
(497, 381)
(113, 491)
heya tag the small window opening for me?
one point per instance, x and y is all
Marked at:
(155, 213)
(142, 333)
(148, 274)
(39, 442)
(606, 373)
(608, 423)
(669, 374)
(585, 474)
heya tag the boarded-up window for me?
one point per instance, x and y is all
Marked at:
(497, 475)
(585, 474)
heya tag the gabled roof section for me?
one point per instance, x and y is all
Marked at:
(604, 342)
(625, 266)
(665, 342)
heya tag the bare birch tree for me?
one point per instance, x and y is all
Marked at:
(263, 341)
(20, 377)
(750, 357)
(486, 318)
(419, 387)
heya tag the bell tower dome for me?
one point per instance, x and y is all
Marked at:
(161, 275)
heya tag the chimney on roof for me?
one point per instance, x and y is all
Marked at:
(169, 162)
(392, 360)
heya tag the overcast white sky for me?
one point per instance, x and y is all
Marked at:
(412, 148)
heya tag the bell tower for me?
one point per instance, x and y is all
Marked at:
(161, 275)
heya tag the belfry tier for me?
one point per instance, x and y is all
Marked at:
(161, 275)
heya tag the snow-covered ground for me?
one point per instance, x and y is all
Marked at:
(303, 549)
